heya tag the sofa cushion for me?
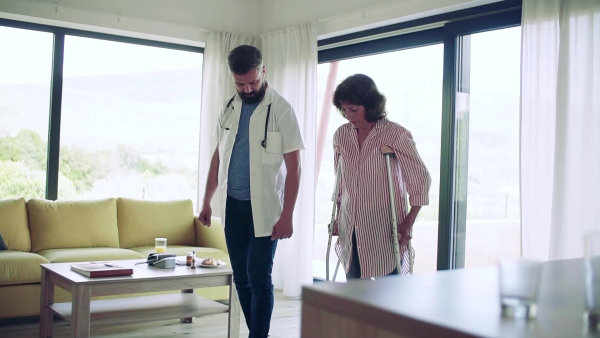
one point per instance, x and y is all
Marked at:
(89, 254)
(72, 224)
(141, 221)
(13, 224)
(17, 267)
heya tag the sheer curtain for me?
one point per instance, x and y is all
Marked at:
(216, 85)
(291, 59)
(560, 126)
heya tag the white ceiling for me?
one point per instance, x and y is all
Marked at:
(183, 12)
(187, 21)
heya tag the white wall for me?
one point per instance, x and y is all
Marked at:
(187, 21)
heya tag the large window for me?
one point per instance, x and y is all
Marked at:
(456, 88)
(130, 121)
(86, 115)
(25, 70)
(411, 80)
(491, 114)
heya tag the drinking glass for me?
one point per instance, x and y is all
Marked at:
(592, 278)
(519, 286)
(160, 245)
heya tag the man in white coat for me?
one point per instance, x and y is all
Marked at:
(257, 133)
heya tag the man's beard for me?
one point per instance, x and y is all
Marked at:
(254, 98)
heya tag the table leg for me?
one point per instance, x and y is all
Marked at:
(187, 319)
(46, 299)
(80, 313)
(234, 311)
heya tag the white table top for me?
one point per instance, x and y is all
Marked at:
(140, 272)
(463, 301)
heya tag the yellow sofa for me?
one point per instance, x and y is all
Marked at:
(40, 231)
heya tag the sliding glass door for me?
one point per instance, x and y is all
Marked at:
(411, 80)
(456, 88)
(487, 137)
(479, 182)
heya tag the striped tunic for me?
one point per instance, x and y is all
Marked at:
(363, 195)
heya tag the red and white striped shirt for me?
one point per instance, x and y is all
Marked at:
(363, 193)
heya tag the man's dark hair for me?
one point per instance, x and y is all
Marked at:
(360, 89)
(244, 58)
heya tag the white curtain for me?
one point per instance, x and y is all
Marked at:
(290, 57)
(216, 86)
(560, 126)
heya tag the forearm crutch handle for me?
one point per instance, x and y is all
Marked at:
(389, 153)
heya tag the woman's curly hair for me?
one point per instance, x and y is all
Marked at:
(360, 89)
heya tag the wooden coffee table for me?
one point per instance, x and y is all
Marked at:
(83, 312)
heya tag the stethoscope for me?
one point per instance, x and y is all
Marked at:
(227, 113)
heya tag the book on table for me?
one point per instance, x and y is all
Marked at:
(102, 269)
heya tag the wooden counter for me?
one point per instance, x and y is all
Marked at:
(457, 303)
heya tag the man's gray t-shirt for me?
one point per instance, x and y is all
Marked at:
(238, 177)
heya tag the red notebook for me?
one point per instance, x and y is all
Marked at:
(104, 269)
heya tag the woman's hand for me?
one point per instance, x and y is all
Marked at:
(335, 231)
(404, 233)
(405, 228)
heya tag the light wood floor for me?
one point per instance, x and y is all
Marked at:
(285, 323)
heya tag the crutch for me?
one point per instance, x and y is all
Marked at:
(389, 153)
(333, 213)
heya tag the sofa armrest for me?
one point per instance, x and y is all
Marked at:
(212, 236)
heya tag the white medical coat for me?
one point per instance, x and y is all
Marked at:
(267, 171)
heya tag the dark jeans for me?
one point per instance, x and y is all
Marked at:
(252, 264)
(354, 271)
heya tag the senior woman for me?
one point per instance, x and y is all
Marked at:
(365, 243)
